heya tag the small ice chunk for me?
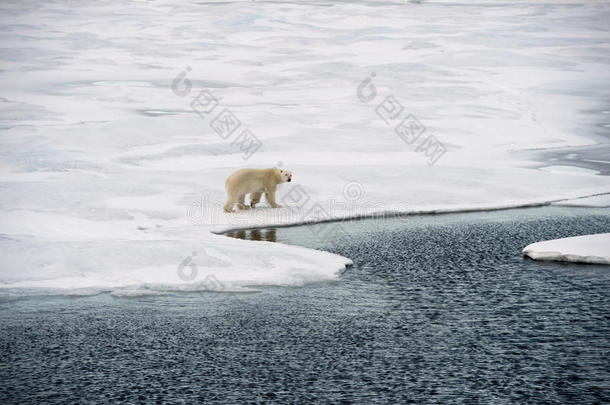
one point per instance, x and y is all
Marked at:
(583, 249)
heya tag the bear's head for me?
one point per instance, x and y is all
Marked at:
(285, 176)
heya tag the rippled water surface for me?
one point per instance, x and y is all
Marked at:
(436, 309)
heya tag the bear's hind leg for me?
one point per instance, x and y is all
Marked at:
(228, 207)
(255, 198)
(241, 202)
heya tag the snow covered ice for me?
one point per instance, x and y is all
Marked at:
(593, 249)
(598, 201)
(111, 179)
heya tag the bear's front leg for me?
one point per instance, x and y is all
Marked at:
(270, 197)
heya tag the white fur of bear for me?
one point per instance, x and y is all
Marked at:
(254, 182)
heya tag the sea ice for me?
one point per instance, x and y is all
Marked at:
(598, 201)
(112, 162)
(583, 249)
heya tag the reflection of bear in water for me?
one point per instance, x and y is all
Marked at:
(255, 234)
(254, 182)
(267, 235)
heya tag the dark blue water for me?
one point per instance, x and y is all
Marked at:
(436, 309)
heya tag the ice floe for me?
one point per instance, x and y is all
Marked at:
(593, 249)
(112, 170)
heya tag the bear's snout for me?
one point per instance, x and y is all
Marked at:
(289, 180)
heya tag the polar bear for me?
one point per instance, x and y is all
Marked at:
(254, 182)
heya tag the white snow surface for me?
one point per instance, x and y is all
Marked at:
(583, 249)
(110, 180)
